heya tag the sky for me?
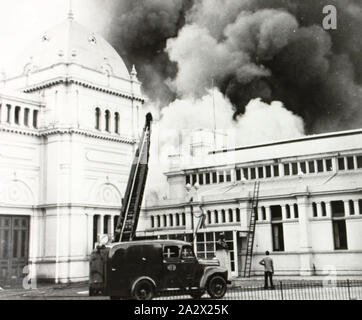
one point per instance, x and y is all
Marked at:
(23, 20)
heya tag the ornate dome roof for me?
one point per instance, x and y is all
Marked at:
(69, 42)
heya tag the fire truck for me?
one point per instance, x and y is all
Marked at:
(127, 268)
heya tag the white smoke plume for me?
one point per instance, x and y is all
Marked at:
(172, 130)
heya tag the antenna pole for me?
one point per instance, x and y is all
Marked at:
(213, 106)
(70, 11)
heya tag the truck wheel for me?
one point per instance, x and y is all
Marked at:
(197, 294)
(143, 290)
(216, 287)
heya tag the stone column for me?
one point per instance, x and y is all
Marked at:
(111, 231)
(319, 209)
(3, 112)
(356, 207)
(328, 209)
(284, 212)
(244, 207)
(30, 118)
(12, 114)
(89, 247)
(304, 238)
(355, 165)
(100, 224)
(281, 169)
(21, 116)
(268, 213)
(347, 211)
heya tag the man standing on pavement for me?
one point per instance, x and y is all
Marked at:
(267, 262)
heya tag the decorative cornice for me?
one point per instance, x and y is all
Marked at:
(83, 83)
(70, 131)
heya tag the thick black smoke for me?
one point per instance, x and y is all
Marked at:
(140, 29)
(273, 49)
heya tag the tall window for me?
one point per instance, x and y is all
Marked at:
(177, 219)
(339, 225)
(263, 212)
(359, 162)
(311, 166)
(207, 178)
(201, 178)
(261, 172)
(208, 216)
(35, 118)
(26, 117)
(116, 122)
(17, 115)
(287, 208)
(95, 228)
(350, 163)
(216, 216)
(245, 172)
(107, 118)
(278, 238)
(351, 207)
(164, 217)
(315, 212)
(252, 173)
(231, 215)
(237, 214)
(98, 119)
(286, 169)
(152, 221)
(8, 106)
(171, 220)
(223, 216)
(221, 176)
(296, 212)
(341, 164)
(324, 210)
(277, 228)
(105, 224)
(183, 219)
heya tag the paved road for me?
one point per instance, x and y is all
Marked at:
(80, 292)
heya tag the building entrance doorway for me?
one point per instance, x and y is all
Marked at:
(14, 247)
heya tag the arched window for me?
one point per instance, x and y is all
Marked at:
(223, 216)
(237, 214)
(164, 220)
(315, 212)
(171, 220)
(158, 221)
(98, 119)
(324, 211)
(208, 216)
(116, 122)
(263, 212)
(152, 221)
(17, 115)
(287, 208)
(216, 216)
(107, 118)
(296, 212)
(183, 219)
(231, 215)
(177, 219)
